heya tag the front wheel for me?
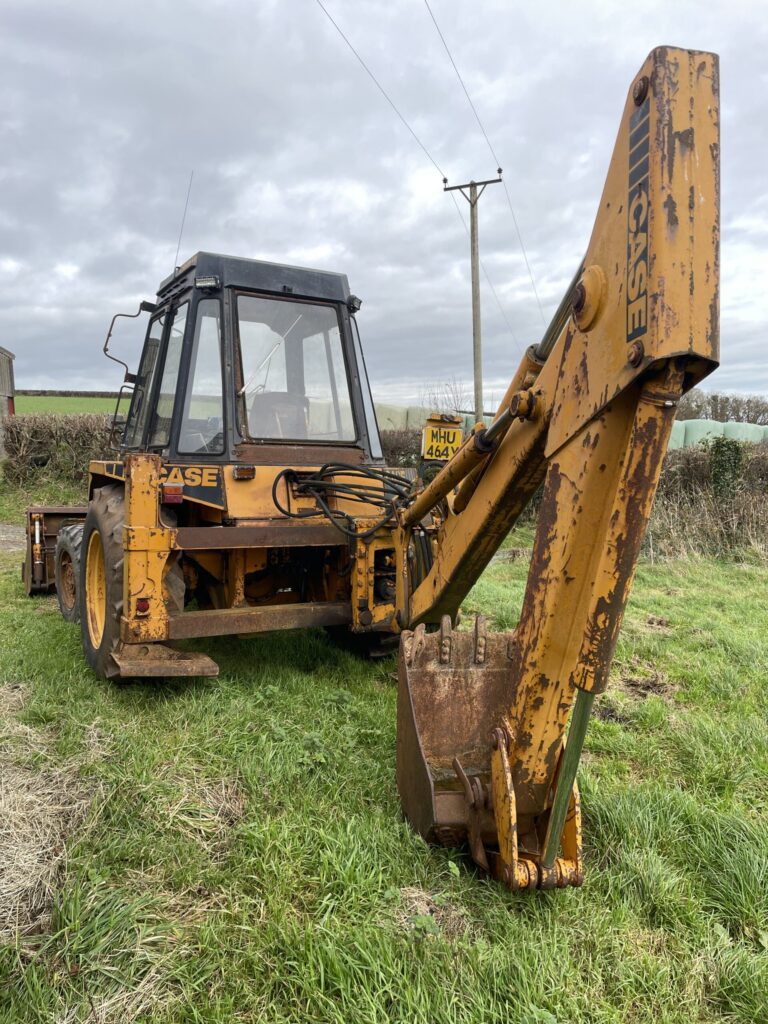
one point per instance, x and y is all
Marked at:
(101, 579)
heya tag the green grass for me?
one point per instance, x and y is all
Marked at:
(62, 404)
(45, 491)
(245, 857)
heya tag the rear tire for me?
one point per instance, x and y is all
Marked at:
(101, 579)
(67, 570)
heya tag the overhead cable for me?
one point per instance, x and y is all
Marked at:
(421, 146)
(493, 154)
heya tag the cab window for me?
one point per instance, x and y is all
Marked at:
(202, 425)
(160, 432)
(293, 373)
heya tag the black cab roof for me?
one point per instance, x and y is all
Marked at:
(258, 275)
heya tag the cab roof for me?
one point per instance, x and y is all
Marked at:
(258, 275)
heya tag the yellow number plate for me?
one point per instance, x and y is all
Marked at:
(442, 443)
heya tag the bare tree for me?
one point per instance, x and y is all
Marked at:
(446, 396)
(722, 407)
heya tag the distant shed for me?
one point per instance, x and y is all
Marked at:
(7, 389)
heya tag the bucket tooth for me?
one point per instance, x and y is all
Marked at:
(446, 640)
(481, 639)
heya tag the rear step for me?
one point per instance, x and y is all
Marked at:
(146, 660)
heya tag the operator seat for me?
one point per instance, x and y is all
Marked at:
(278, 414)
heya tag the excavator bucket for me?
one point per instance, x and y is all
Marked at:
(453, 770)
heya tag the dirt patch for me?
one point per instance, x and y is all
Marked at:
(658, 624)
(428, 913)
(40, 808)
(636, 684)
(12, 538)
(608, 713)
(640, 687)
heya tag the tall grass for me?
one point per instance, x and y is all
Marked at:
(699, 523)
(712, 500)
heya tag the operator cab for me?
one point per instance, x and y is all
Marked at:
(241, 353)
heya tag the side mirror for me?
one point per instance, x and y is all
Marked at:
(144, 307)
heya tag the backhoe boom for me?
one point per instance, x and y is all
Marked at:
(590, 412)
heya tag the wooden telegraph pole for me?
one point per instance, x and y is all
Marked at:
(475, 190)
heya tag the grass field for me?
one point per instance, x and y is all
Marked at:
(62, 404)
(235, 850)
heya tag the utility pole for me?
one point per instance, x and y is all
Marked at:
(472, 197)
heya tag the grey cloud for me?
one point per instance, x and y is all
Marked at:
(297, 157)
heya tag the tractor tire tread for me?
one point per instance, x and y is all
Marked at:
(106, 514)
(68, 545)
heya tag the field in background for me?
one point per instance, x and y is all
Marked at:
(63, 404)
(235, 848)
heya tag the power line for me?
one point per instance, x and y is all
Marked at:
(424, 150)
(493, 154)
(461, 81)
(381, 89)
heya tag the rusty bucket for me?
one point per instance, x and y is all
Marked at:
(455, 691)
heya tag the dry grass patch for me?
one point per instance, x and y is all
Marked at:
(203, 809)
(185, 907)
(431, 913)
(41, 806)
(12, 697)
(144, 1001)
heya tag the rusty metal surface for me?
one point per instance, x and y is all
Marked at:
(655, 242)
(596, 502)
(73, 512)
(454, 756)
(269, 534)
(158, 661)
(293, 454)
(669, 264)
(231, 621)
(643, 328)
(146, 543)
(51, 518)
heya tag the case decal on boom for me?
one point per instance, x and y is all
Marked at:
(202, 484)
(637, 216)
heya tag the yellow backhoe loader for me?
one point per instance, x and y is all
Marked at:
(248, 492)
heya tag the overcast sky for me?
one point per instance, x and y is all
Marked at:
(297, 158)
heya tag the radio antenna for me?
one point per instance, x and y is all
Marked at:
(183, 218)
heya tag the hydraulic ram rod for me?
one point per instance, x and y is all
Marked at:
(475, 449)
